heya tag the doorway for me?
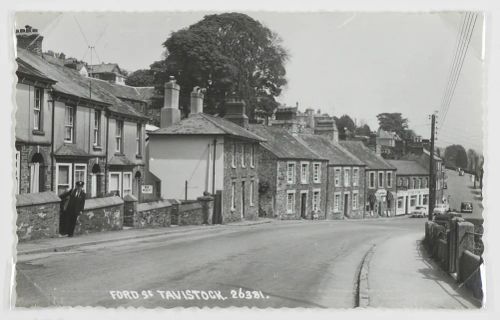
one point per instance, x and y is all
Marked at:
(346, 204)
(303, 205)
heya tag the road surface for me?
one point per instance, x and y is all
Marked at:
(281, 264)
(461, 189)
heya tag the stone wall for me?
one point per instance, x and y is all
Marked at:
(239, 175)
(352, 213)
(37, 215)
(100, 214)
(153, 214)
(283, 187)
(194, 212)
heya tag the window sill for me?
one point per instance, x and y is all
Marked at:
(118, 154)
(38, 133)
(138, 156)
(97, 148)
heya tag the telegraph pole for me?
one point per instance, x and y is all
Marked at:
(432, 176)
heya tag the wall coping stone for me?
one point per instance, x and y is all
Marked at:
(129, 198)
(189, 206)
(153, 205)
(102, 202)
(29, 199)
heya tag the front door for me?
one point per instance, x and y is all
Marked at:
(303, 203)
(242, 199)
(346, 204)
(406, 205)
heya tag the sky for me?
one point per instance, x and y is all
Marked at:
(360, 64)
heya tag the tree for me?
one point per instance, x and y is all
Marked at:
(364, 130)
(141, 78)
(229, 54)
(346, 127)
(455, 156)
(393, 122)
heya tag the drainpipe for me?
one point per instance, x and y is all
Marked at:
(365, 195)
(52, 143)
(213, 165)
(327, 189)
(107, 148)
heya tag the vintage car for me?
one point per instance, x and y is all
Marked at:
(441, 208)
(466, 207)
(419, 212)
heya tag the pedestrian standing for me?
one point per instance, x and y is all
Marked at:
(74, 202)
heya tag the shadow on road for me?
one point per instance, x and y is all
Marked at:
(434, 273)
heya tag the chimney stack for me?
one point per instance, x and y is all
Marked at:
(29, 39)
(196, 101)
(328, 128)
(170, 113)
(286, 118)
(235, 112)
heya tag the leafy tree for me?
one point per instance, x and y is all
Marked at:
(141, 78)
(364, 130)
(455, 156)
(346, 127)
(228, 54)
(393, 122)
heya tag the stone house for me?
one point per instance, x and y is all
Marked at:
(412, 184)
(89, 134)
(423, 158)
(107, 71)
(380, 183)
(345, 176)
(292, 176)
(202, 153)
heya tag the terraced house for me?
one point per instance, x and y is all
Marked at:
(292, 176)
(75, 130)
(203, 153)
(412, 185)
(345, 176)
(380, 183)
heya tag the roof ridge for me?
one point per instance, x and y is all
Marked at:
(210, 118)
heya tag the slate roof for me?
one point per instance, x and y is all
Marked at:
(105, 68)
(326, 148)
(204, 124)
(24, 68)
(368, 157)
(70, 150)
(408, 167)
(124, 91)
(282, 144)
(120, 160)
(71, 82)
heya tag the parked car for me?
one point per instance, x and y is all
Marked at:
(466, 207)
(441, 208)
(419, 212)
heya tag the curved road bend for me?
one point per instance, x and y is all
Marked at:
(294, 264)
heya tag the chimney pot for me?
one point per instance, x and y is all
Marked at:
(170, 113)
(196, 100)
(235, 112)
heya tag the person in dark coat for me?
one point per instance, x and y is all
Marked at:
(73, 204)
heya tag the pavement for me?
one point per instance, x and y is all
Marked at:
(65, 243)
(312, 264)
(414, 281)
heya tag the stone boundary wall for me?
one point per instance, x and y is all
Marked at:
(194, 212)
(153, 214)
(37, 215)
(451, 244)
(100, 214)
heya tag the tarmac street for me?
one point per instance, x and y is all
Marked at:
(461, 189)
(279, 264)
